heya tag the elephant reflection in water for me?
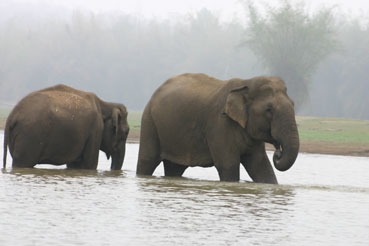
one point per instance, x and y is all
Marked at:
(197, 120)
(61, 125)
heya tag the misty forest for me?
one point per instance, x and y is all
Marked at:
(323, 55)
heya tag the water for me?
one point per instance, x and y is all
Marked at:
(322, 200)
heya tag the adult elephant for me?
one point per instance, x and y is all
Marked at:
(197, 120)
(61, 125)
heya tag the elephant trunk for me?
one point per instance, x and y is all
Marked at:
(118, 158)
(287, 147)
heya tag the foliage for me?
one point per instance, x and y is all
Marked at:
(124, 58)
(355, 67)
(121, 58)
(342, 81)
(291, 43)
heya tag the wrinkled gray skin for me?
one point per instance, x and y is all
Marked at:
(61, 125)
(196, 120)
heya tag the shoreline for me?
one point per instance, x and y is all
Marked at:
(331, 148)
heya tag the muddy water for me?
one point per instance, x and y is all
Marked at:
(322, 200)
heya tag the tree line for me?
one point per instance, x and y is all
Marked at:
(323, 57)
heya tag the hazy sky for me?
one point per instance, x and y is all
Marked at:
(164, 7)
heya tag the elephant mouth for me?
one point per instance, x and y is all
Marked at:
(277, 145)
(277, 156)
(277, 153)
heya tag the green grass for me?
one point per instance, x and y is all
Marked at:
(311, 129)
(333, 130)
(134, 119)
(4, 112)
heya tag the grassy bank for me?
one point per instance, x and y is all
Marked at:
(333, 130)
(3, 114)
(334, 136)
(317, 135)
(134, 121)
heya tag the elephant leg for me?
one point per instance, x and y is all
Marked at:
(258, 167)
(149, 150)
(226, 161)
(25, 156)
(90, 155)
(23, 164)
(173, 169)
(74, 165)
(146, 167)
(229, 173)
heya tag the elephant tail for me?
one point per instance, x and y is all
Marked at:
(5, 150)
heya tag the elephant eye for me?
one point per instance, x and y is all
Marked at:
(269, 111)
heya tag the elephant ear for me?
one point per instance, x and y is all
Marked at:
(235, 106)
(116, 118)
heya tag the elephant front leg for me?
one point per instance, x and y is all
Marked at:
(226, 161)
(90, 155)
(230, 173)
(258, 167)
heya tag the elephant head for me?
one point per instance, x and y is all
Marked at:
(262, 107)
(115, 134)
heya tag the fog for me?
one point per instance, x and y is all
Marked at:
(124, 54)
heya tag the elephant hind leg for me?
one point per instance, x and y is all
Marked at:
(146, 167)
(24, 157)
(74, 165)
(23, 164)
(149, 150)
(26, 160)
(173, 169)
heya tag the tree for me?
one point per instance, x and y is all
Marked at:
(291, 43)
(354, 69)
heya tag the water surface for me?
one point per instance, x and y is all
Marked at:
(322, 200)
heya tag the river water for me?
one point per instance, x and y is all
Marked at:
(321, 200)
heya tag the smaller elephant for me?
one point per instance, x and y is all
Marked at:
(61, 125)
(197, 120)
